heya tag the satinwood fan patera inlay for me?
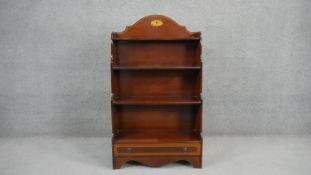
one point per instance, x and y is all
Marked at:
(156, 77)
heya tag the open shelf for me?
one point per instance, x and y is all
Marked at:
(155, 83)
(156, 53)
(156, 101)
(156, 136)
(195, 67)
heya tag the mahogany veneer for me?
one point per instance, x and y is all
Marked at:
(156, 75)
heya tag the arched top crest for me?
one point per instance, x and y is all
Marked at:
(155, 27)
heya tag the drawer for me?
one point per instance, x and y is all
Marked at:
(168, 149)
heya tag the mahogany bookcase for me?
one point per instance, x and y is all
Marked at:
(156, 75)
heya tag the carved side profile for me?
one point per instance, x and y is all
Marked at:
(155, 27)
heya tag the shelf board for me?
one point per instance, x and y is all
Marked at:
(195, 67)
(156, 101)
(156, 136)
(157, 39)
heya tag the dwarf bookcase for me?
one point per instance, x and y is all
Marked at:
(156, 78)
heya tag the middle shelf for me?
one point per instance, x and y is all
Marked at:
(156, 100)
(194, 67)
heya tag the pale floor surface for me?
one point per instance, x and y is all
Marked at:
(249, 155)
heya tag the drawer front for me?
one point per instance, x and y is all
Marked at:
(193, 149)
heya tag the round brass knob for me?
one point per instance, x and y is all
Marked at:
(129, 150)
(184, 149)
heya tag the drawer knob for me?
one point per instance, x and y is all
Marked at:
(129, 150)
(184, 149)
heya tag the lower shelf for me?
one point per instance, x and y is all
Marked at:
(156, 136)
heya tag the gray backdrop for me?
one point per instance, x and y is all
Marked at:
(55, 55)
